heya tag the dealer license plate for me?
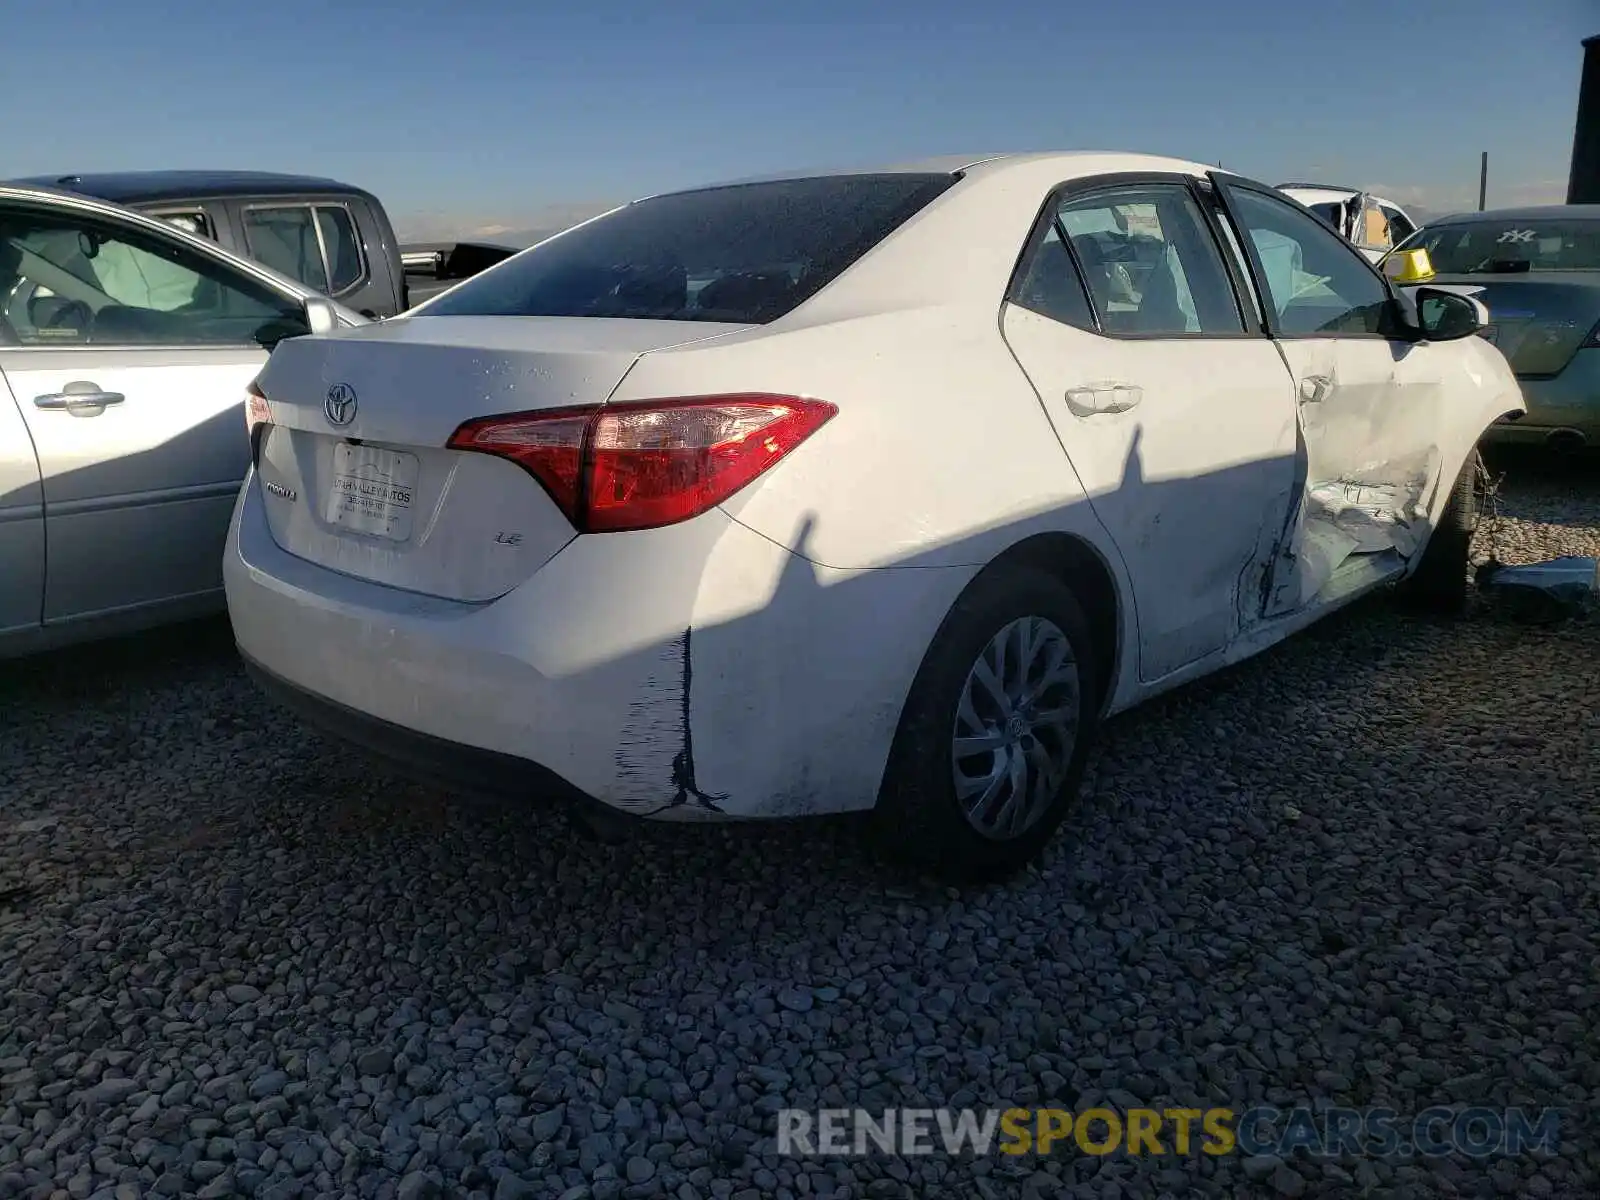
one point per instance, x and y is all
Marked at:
(373, 491)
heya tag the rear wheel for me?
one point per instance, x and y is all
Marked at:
(1439, 584)
(991, 746)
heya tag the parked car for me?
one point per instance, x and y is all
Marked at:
(871, 490)
(1373, 224)
(433, 267)
(125, 348)
(328, 235)
(1538, 271)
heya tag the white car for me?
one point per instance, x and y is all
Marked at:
(871, 490)
(1375, 225)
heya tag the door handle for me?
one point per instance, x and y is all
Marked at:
(80, 398)
(1095, 398)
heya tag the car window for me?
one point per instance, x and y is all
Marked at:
(1399, 227)
(1050, 285)
(285, 238)
(1509, 245)
(192, 221)
(1237, 259)
(67, 280)
(1150, 262)
(341, 245)
(1315, 281)
(1331, 211)
(743, 253)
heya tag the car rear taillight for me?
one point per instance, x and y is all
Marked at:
(643, 465)
(256, 417)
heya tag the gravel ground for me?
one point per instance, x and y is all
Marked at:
(1362, 868)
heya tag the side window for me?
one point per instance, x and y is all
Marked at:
(285, 238)
(342, 246)
(1237, 258)
(1051, 286)
(192, 221)
(316, 244)
(1150, 262)
(1315, 281)
(1399, 228)
(66, 280)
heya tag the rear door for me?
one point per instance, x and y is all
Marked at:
(129, 357)
(1369, 399)
(1175, 412)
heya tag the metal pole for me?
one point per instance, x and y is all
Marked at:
(1483, 182)
(1583, 185)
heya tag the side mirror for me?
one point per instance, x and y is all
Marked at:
(321, 316)
(1447, 316)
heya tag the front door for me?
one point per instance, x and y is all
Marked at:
(1369, 399)
(1179, 423)
(128, 355)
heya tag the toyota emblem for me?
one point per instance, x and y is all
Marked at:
(340, 405)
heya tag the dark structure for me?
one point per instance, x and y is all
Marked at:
(1583, 185)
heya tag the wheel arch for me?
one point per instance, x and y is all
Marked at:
(1083, 568)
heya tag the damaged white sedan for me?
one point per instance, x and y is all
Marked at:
(869, 490)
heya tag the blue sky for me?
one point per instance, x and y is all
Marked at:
(476, 115)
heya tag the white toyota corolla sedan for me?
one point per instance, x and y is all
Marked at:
(867, 490)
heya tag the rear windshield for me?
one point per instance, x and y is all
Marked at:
(746, 253)
(1510, 246)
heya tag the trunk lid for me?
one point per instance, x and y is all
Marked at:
(1538, 321)
(378, 496)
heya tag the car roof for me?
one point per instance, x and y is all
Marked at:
(1071, 163)
(1332, 189)
(1529, 212)
(126, 187)
(1321, 193)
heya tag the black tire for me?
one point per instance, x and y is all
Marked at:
(1439, 584)
(918, 819)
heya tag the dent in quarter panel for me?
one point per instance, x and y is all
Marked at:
(22, 532)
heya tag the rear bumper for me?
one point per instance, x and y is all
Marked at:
(697, 672)
(414, 754)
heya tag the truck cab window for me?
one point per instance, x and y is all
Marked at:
(314, 243)
(190, 221)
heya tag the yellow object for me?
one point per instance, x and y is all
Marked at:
(1409, 266)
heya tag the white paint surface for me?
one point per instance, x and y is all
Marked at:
(805, 604)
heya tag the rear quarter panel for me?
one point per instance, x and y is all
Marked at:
(941, 454)
(939, 460)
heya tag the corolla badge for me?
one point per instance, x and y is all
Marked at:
(340, 404)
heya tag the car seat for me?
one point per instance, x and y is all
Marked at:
(1160, 310)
